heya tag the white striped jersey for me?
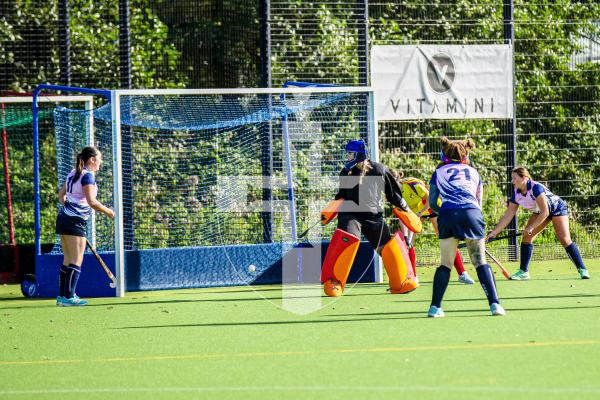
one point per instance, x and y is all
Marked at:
(527, 200)
(459, 186)
(76, 204)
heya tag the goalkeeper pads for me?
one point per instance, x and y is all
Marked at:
(338, 262)
(330, 211)
(409, 219)
(398, 266)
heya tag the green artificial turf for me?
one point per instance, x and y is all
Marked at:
(231, 343)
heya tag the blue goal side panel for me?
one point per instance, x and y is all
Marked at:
(187, 268)
(93, 281)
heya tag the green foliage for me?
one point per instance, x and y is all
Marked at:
(327, 50)
(94, 45)
(558, 100)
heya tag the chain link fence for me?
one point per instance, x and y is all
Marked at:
(557, 65)
(200, 44)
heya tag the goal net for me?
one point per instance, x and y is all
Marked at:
(213, 187)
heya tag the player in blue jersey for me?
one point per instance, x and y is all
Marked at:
(546, 207)
(459, 218)
(78, 198)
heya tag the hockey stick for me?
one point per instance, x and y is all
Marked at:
(499, 264)
(113, 283)
(462, 245)
(309, 228)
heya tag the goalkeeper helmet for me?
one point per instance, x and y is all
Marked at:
(356, 151)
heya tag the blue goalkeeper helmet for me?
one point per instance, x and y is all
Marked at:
(356, 151)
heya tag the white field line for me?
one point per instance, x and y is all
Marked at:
(300, 389)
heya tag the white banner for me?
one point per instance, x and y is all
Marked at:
(442, 82)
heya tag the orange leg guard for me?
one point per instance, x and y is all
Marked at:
(398, 266)
(338, 261)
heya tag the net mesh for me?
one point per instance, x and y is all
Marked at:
(16, 124)
(211, 170)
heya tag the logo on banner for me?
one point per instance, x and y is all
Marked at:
(442, 81)
(440, 72)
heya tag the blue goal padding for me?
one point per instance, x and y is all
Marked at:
(178, 268)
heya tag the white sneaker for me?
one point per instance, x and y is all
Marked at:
(416, 280)
(435, 312)
(497, 309)
(465, 278)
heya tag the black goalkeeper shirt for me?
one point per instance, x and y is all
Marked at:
(366, 195)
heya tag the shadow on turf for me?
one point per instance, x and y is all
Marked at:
(481, 313)
(401, 299)
(141, 301)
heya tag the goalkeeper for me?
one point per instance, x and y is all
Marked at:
(358, 207)
(416, 195)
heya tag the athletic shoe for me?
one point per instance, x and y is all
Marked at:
(435, 312)
(584, 273)
(497, 309)
(72, 302)
(465, 278)
(416, 280)
(520, 275)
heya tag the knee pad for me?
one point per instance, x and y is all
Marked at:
(338, 261)
(398, 266)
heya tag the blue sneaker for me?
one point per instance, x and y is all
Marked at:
(72, 302)
(435, 312)
(583, 273)
(497, 309)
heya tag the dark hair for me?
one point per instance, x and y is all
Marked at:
(82, 158)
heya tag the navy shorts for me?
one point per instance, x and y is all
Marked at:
(67, 225)
(560, 210)
(461, 223)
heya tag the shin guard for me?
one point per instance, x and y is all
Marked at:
(338, 261)
(398, 267)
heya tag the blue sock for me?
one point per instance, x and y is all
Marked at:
(526, 253)
(486, 278)
(71, 280)
(573, 252)
(62, 280)
(440, 283)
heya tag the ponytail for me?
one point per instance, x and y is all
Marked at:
(366, 168)
(82, 158)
